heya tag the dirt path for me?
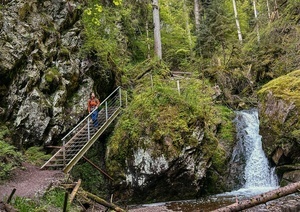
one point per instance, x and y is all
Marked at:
(29, 181)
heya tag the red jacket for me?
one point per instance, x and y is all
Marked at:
(92, 104)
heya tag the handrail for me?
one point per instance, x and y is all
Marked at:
(105, 100)
(86, 132)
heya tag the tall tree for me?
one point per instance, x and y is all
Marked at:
(256, 20)
(237, 22)
(157, 37)
(197, 15)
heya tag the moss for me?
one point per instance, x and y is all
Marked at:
(286, 87)
(64, 52)
(162, 120)
(52, 74)
(24, 11)
(36, 156)
(219, 159)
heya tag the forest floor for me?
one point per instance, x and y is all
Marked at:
(29, 181)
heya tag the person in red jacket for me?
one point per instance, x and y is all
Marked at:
(93, 105)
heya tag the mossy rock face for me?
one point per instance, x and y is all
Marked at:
(50, 81)
(165, 143)
(279, 107)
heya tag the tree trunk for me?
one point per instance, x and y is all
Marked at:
(256, 20)
(187, 24)
(197, 15)
(269, 13)
(102, 201)
(72, 196)
(237, 22)
(262, 198)
(157, 38)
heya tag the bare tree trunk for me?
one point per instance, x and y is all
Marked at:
(237, 22)
(148, 44)
(157, 38)
(197, 15)
(269, 13)
(262, 198)
(188, 31)
(256, 20)
(276, 9)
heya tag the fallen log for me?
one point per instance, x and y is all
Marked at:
(262, 198)
(74, 191)
(101, 201)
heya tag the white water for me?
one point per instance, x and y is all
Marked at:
(259, 177)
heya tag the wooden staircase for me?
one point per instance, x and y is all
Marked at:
(78, 141)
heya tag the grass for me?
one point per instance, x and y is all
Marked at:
(52, 201)
(9, 157)
(36, 155)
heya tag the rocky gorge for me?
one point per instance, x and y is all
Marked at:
(44, 81)
(177, 152)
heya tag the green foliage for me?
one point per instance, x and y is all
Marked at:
(286, 87)
(36, 155)
(103, 35)
(93, 181)
(177, 39)
(55, 197)
(52, 74)
(24, 204)
(9, 157)
(53, 200)
(161, 119)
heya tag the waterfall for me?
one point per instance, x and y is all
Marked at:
(258, 176)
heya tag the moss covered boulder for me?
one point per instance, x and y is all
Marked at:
(169, 146)
(279, 110)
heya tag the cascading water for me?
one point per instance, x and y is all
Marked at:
(258, 175)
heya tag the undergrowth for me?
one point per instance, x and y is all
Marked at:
(36, 155)
(162, 116)
(53, 200)
(9, 157)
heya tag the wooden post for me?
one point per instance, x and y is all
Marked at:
(90, 162)
(178, 87)
(74, 191)
(64, 153)
(151, 78)
(11, 195)
(65, 202)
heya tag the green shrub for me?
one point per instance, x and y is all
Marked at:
(36, 156)
(9, 157)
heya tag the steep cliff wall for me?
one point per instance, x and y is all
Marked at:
(44, 82)
(279, 110)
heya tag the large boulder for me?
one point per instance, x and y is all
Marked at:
(279, 108)
(165, 148)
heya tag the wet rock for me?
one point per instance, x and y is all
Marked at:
(279, 107)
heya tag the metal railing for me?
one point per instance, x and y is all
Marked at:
(84, 134)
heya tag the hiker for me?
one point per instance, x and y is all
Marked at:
(93, 103)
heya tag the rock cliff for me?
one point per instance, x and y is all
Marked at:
(279, 110)
(45, 82)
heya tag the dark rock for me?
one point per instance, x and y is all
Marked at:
(279, 107)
